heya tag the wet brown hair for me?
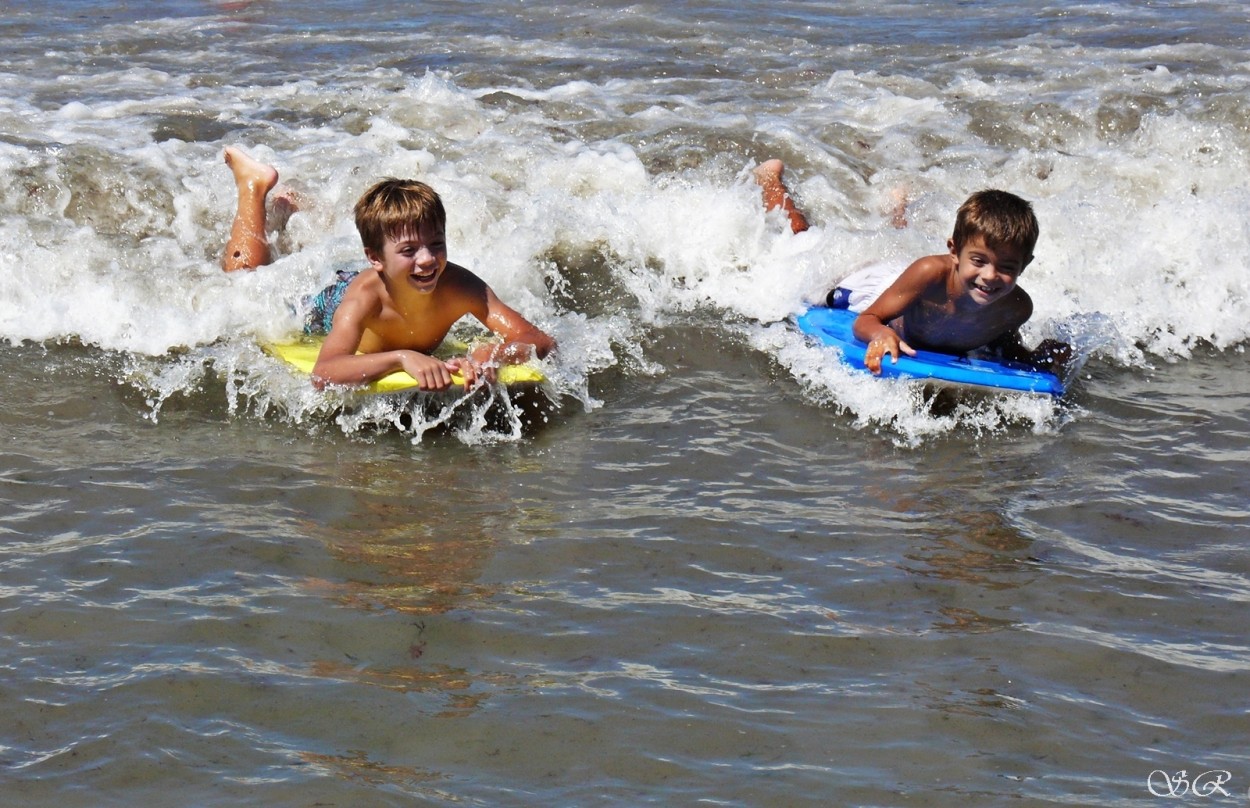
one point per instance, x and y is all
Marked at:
(394, 208)
(999, 217)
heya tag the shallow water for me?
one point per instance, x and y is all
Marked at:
(722, 570)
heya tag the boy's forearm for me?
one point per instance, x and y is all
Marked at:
(356, 368)
(540, 343)
(866, 327)
(515, 351)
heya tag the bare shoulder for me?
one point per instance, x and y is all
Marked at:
(365, 296)
(361, 308)
(921, 276)
(933, 268)
(460, 283)
(924, 274)
(457, 278)
(462, 291)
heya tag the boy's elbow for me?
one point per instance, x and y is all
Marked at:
(322, 376)
(540, 343)
(862, 328)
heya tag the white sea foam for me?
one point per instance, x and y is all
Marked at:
(114, 203)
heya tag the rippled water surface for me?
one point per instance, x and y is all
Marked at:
(705, 564)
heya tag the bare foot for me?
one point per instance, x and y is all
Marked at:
(248, 247)
(776, 195)
(769, 172)
(249, 172)
(283, 202)
(898, 207)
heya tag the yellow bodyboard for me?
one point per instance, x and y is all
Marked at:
(302, 355)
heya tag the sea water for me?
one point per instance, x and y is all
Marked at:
(715, 566)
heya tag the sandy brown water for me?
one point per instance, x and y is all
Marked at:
(723, 571)
(707, 590)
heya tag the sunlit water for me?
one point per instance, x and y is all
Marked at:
(705, 564)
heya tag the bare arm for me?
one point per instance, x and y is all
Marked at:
(1051, 355)
(338, 362)
(522, 340)
(872, 325)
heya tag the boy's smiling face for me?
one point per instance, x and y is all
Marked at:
(986, 274)
(416, 258)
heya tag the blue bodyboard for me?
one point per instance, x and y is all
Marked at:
(833, 327)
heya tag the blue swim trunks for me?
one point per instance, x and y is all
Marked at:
(839, 298)
(320, 308)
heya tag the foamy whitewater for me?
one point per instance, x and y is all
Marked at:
(598, 172)
(596, 163)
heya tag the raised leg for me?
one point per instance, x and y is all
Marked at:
(776, 195)
(248, 246)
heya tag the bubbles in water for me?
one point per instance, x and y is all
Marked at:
(606, 203)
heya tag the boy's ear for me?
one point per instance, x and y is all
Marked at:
(375, 261)
(950, 245)
(1027, 261)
